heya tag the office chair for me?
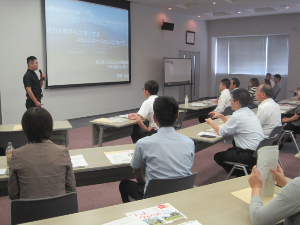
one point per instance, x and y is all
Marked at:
(178, 123)
(27, 210)
(243, 167)
(158, 187)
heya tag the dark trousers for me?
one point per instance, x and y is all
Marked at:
(128, 187)
(238, 155)
(138, 133)
(30, 103)
(290, 126)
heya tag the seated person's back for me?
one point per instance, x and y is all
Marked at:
(40, 168)
(166, 154)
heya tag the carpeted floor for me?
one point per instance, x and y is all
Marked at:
(103, 195)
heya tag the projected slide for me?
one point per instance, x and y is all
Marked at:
(86, 43)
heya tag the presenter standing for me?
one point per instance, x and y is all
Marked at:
(33, 85)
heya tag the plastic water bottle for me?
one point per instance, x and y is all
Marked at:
(9, 150)
(186, 101)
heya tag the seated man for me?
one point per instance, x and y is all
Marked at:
(166, 154)
(234, 84)
(146, 112)
(223, 101)
(277, 85)
(268, 112)
(269, 77)
(245, 128)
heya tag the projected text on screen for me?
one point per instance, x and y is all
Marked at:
(86, 43)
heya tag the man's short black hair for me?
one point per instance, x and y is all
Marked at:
(226, 82)
(268, 74)
(152, 87)
(267, 81)
(37, 124)
(30, 59)
(268, 90)
(236, 82)
(242, 95)
(278, 76)
(165, 110)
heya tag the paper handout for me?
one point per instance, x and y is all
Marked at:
(78, 161)
(267, 158)
(119, 157)
(161, 214)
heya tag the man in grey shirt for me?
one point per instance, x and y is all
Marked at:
(277, 85)
(285, 205)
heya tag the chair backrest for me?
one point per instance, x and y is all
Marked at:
(165, 186)
(276, 132)
(227, 111)
(263, 143)
(27, 210)
(178, 123)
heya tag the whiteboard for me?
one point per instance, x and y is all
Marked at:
(177, 70)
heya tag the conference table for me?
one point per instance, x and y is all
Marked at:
(14, 133)
(193, 110)
(99, 170)
(109, 129)
(201, 142)
(211, 204)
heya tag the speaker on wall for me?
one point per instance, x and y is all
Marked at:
(167, 26)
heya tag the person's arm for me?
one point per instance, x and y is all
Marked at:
(42, 77)
(221, 104)
(31, 95)
(213, 125)
(13, 182)
(139, 176)
(70, 177)
(218, 115)
(139, 120)
(293, 118)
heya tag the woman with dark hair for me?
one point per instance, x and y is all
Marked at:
(253, 85)
(40, 168)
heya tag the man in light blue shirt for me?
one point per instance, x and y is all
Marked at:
(245, 128)
(166, 154)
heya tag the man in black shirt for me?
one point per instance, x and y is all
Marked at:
(33, 85)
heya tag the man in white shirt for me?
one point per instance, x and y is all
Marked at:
(269, 77)
(268, 110)
(146, 112)
(245, 128)
(223, 101)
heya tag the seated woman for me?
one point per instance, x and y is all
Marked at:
(293, 123)
(253, 85)
(40, 168)
(285, 205)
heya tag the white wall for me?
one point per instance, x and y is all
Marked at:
(262, 25)
(22, 35)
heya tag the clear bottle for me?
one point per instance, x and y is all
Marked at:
(9, 150)
(186, 101)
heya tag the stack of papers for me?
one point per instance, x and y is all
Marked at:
(120, 157)
(2, 171)
(198, 104)
(78, 161)
(161, 214)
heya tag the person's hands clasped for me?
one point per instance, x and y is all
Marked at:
(281, 180)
